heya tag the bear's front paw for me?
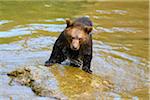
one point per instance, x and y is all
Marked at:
(87, 70)
(48, 63)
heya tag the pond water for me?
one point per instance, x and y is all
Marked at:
(28, 30)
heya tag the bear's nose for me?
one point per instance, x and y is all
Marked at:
(74, 48)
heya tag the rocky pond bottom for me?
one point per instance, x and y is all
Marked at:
(80, 86)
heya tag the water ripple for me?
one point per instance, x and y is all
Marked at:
(118, 29)
(29, 28)
(5, 21)
(120, 12)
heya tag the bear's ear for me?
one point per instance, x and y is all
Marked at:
(69, 22)
(88, 29)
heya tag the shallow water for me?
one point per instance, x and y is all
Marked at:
(28, 30)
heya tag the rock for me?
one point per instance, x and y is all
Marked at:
(37, 78)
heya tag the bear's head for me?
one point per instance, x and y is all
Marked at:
(77, 34)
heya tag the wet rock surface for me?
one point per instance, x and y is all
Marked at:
(42, 82)
(37, 79)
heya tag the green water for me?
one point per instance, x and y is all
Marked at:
(28, 30)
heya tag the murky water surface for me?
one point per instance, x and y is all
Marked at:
(28, 30)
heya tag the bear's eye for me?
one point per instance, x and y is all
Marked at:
(80, 39)
(73, 37)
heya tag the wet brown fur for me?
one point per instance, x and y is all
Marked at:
(74, 42)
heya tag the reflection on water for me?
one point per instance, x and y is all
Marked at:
(117, 29)
(5, 21)
(120, 50)
(30, 28)
(121, 12)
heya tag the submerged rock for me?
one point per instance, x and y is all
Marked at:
(38, 79)
(59, 82)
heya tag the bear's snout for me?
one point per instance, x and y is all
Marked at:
(75, 45)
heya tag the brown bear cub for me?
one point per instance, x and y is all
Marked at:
(74, 44)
